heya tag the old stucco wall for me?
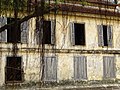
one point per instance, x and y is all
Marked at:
(65, 70)
(63, 41)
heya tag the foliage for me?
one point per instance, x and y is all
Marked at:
(21, 5)
(11, 4)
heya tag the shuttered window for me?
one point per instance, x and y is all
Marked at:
(108, 67)
(80, 68)
(105, 35)
(14, 35)
(48, 32)
(3, 34)
(50, 69)
(77, 31)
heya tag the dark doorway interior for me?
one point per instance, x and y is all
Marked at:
(13, 69)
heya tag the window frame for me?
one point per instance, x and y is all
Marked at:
(22, 70)
(111, 72)
(52, 42)
(101, 36)
(18, 40)
(6, 36)
(78, 60)
(46, 79)
(72, 33)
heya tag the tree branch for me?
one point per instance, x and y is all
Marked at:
(19, 21)
(26, 18)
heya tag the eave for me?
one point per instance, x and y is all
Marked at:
(87, 9)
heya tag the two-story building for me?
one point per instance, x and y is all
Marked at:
(80, 42)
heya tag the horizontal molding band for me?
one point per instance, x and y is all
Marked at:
(77, 51)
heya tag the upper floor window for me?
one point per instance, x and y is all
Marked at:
(77, 33)
(48, 32)
(14, 34)
(105, 35)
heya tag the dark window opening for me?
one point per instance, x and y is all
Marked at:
(14, 32)
(79, 34)
(47, 32)
(13, 69)
(105, 35)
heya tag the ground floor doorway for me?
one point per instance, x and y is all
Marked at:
(13, 70)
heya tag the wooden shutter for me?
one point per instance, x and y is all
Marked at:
(109, 35)
(38, 32)
(100, 35)
(50, 71)
(72, 32)
(37, 37)
(108, 67)
(24, 32)
(3, 34)
(80, 68)
(76, 68)
(52, 32)
(112, 67)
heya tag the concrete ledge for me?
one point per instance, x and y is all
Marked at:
(89, 87)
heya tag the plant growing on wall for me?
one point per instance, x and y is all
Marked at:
(30, 9)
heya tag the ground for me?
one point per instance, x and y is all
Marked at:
(94, 87)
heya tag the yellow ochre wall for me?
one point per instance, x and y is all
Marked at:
(65, 70)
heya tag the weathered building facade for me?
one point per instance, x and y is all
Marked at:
(80, 43)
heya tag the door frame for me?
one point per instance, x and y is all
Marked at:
(22, 72)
